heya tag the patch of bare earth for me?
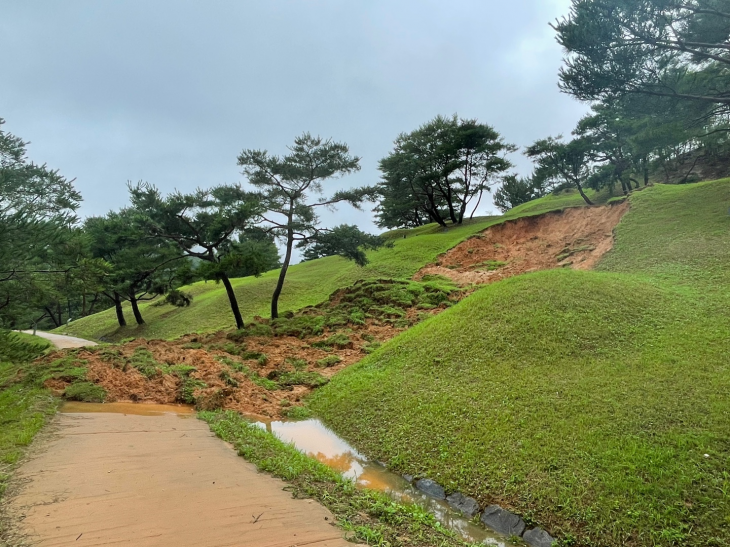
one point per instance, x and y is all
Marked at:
(576, 238)
(225, 386)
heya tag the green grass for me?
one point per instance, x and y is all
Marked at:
(366, 516)
(562, 200)
(25, 406)
(593, 403)
(307, 284)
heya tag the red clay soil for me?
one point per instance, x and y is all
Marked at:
(226, 387)
(576, 238)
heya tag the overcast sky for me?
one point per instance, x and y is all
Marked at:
(170, 92)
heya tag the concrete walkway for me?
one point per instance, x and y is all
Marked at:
(156, 480)
(61, 341)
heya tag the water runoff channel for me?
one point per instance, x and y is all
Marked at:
(316, 440)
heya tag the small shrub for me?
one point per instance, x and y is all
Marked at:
(297, 364)
(259, 329)
(192, 345)
(357, 317)
(228, 379)
(143, 360)
(86, 392)
(339, 340)
(371, 347)
(176, 298)
(188, 387)
(212, 400)
(491, 265)
(300, 378)
(237, 335)
(297, 413)
(329, 361)
(182, 371)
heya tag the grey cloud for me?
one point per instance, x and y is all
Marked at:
(171, 91)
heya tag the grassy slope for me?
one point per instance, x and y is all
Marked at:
(24, 406)
(307, 284)
(584, 400)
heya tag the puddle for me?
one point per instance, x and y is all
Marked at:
(137, 409)
(314, 439)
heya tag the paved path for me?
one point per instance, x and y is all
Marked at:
(61, 341)
(164, 480)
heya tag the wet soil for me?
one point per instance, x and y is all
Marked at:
(576, 238)
(150, 480)
(225, 387)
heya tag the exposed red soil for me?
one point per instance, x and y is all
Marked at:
(126, 383)
(576, 238)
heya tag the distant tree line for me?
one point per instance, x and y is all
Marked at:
(656, 74)
(56, 267)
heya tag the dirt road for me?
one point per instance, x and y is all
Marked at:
(61, 341)
(156, 480)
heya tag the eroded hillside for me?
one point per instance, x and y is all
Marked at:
(576, 237)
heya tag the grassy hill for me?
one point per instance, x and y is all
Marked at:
(307, 284)
(593, 403)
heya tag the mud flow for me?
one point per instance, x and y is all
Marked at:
(140, 475)
(576, 238)
(134, 409)
(317, 441)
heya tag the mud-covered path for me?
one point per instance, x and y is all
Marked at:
(160, 480)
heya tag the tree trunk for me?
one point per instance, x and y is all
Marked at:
(645, 166)
(232, 300)
(135, 309)
(623, 187)
(120, 313)
(282, 275)
(452, 211)
(481, 193)
(582, 194)
(93, 304)
(433, 212)
(52, 316)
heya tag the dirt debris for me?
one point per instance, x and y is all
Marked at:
(266, 369)
(575, 237)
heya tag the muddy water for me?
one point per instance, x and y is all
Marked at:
(314, 439)
(135, 409)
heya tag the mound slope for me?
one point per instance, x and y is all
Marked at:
(593, 403)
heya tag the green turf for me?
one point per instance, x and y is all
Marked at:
(563, 199)
(593, 403)
(24, 405)
(307, 284)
